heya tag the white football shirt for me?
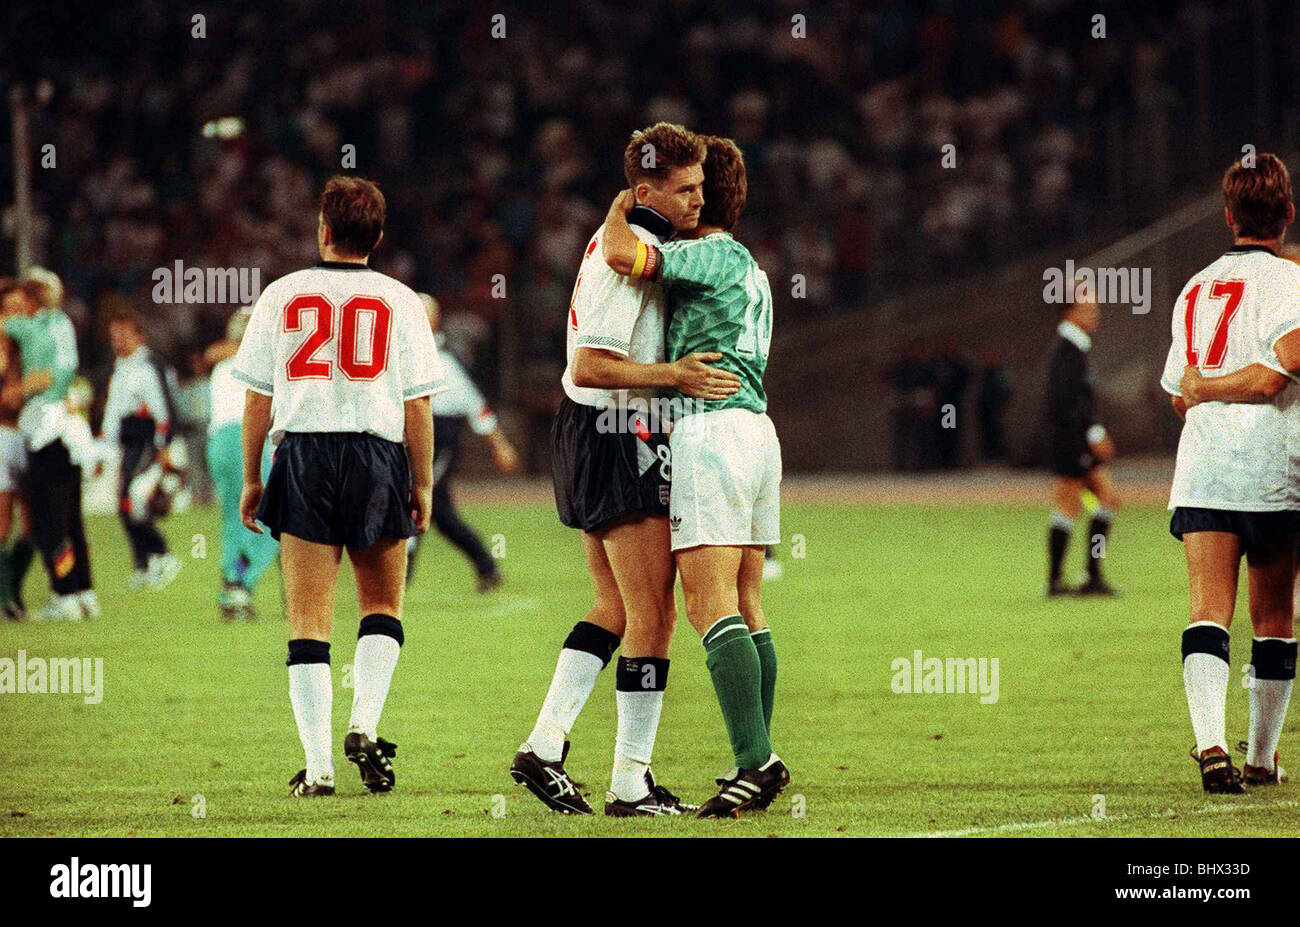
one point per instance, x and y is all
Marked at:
(461, 398)
(614, 313)
(1241, 457)
(341, 348)
(136, 388)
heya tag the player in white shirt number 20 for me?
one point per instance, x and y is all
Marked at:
(347, 357)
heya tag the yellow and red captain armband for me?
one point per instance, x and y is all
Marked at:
(646, 264)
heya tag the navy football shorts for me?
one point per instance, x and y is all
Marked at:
(340, 488)
(1259, 531)
(602, 475)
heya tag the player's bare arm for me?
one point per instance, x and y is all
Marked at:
(594, 367)
(1101, 443)
(419, 447)
(1253, 383)
(504, 456)
(218, 351)
(1287, 350)
(619, 243)
(257, 422)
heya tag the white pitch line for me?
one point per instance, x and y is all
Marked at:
(1017, 826)
(509, 608)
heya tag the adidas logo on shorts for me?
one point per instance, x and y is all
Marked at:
(674, 522)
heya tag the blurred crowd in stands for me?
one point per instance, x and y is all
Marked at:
(932, 387)
(500, 152)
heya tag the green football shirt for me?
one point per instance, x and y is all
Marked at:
(719, 300)
(46, 341)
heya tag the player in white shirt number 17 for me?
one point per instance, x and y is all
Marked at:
(1236, 484)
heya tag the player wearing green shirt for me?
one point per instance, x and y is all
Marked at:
(725, 504)
(47, 346)
(718, 296)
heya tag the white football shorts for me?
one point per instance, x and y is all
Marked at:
(726, 486)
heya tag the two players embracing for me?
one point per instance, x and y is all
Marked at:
(701, 300)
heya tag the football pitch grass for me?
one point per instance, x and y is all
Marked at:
(1090, 715)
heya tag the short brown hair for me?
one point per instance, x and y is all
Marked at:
(1258, 196)
(725, 185)
(126, 317)
(354, 209)
(669, 147)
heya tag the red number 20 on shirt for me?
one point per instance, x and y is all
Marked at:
(305, 365)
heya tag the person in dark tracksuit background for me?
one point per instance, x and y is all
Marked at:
(460, 401)
(1080, 449)
(137, 423)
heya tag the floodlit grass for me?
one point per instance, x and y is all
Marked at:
(1090, 699)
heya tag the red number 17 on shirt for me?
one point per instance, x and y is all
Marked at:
(1232, 291)
(305, 365)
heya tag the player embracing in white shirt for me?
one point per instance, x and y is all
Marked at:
(612, 472)
(1236, 489)
(349, 358)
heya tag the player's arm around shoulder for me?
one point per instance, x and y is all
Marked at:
(1277, 342)
(1278, 345)
(1285, 333)
(1252, 383)
(692, 374)
(618, 243)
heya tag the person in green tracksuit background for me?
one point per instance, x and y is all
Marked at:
(244, 555)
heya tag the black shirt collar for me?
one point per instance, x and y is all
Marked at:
(650, 220)
(342, 265)
(1245, 249)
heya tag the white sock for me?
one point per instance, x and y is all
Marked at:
(575, 677)
(638, 723)
(1205, 679)
(372, 672)
(312, 693)
(1268, 703)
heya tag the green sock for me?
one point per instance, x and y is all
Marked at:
(733, 664)
(767, 666)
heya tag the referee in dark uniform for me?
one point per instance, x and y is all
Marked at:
(1080, 449)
